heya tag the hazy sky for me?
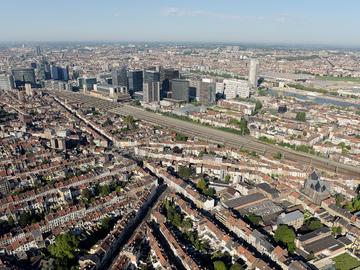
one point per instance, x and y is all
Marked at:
(330, 22)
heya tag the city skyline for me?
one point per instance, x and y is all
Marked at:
(177, 155)
(264, 22)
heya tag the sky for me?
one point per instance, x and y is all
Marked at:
(307, 22)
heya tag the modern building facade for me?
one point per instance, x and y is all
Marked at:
(111, 91)
(87, 83)
(23, 75)
(166, 77)
(119, 77)
(43, 71)
(6, 82)
(135, 79)
(206, 91)
(151, 92)
(253, 72)
(59, 73)
(151, 76)
(38, 50)
(180, 89)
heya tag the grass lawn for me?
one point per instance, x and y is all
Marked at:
(345, 262)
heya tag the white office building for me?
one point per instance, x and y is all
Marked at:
(151, 92)
(6, 82)
(253, 72)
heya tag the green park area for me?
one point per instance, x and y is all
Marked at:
(345, 262)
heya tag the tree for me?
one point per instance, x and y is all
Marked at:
(286, 235)
(184, 172)
(258, 105)
(202, 184)
(254, 219)
(227, 178)
(210, 192)
(219, 265)
(65, 246)
(106, 223)
(129, 121)
(104, 190)
(339, 199)
(313, 224)
(336, 230)
(11, 221)
(242, 125)
(236, 266)
(86, 195)
(25, 219)
(181, 137)
(301, 116)
(278, 155)
(187, 224)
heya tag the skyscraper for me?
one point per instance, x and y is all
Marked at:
(135, 78)
(38, 50)
(206, 91)
(166, 75)
(180, 89)
(59, 73)
(119, 77)
(23, 75)
(6, 82)
(151, 76)
(151, 92)
(253, 72)
(44, 71)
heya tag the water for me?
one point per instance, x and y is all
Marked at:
(318, 100)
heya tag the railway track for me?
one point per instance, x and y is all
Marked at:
(214, 135)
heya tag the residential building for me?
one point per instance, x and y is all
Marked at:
(294, 219)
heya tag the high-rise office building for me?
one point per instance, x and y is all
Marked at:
(180, 89)
(135, 78)
(59, 73)
(23, 75)
(38, 50)
(6, 82)
(151, 76)
(119, 77)
(151, 92)
(206, 91)
(166, 75)
(253, 72)
(55, 75)
(87, 83)
(44, 71)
